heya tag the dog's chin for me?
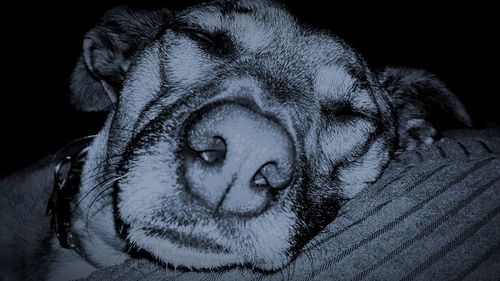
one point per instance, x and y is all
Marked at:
(194, 254)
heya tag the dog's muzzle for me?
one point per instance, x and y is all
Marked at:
(236, 160)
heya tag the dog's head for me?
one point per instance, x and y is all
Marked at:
(235, 133)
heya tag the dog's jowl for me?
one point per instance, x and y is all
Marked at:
(234, 136)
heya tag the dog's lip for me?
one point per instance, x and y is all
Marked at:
(191, 241)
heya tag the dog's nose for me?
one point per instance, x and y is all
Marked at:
(236, 159)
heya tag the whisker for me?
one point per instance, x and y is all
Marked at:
(107, 187)
(106, 160)
(107, 181)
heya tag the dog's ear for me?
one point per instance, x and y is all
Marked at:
(423, 105)
(107, 51)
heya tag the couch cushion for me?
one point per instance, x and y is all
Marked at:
(433, 215)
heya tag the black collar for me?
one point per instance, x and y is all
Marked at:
(67, 176)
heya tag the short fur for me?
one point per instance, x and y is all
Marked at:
(152, 70)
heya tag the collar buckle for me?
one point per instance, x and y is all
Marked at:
(67, 174)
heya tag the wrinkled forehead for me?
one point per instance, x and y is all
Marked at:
(240, 16)
(265, 27)
(262, 25)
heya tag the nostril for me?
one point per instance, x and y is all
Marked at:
(272, 175)
(211, 151)
(259, 180)
(211, 156)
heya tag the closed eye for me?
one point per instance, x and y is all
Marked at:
(198, 35)
(341, 112)
(218, 42)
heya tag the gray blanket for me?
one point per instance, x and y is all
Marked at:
(433, 215)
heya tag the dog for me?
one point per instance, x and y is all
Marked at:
(234, 136)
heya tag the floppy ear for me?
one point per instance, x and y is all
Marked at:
(423, 106)
(107, 52)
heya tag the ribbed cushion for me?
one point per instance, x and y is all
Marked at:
(433, 215)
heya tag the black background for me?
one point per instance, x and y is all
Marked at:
(456, 42)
